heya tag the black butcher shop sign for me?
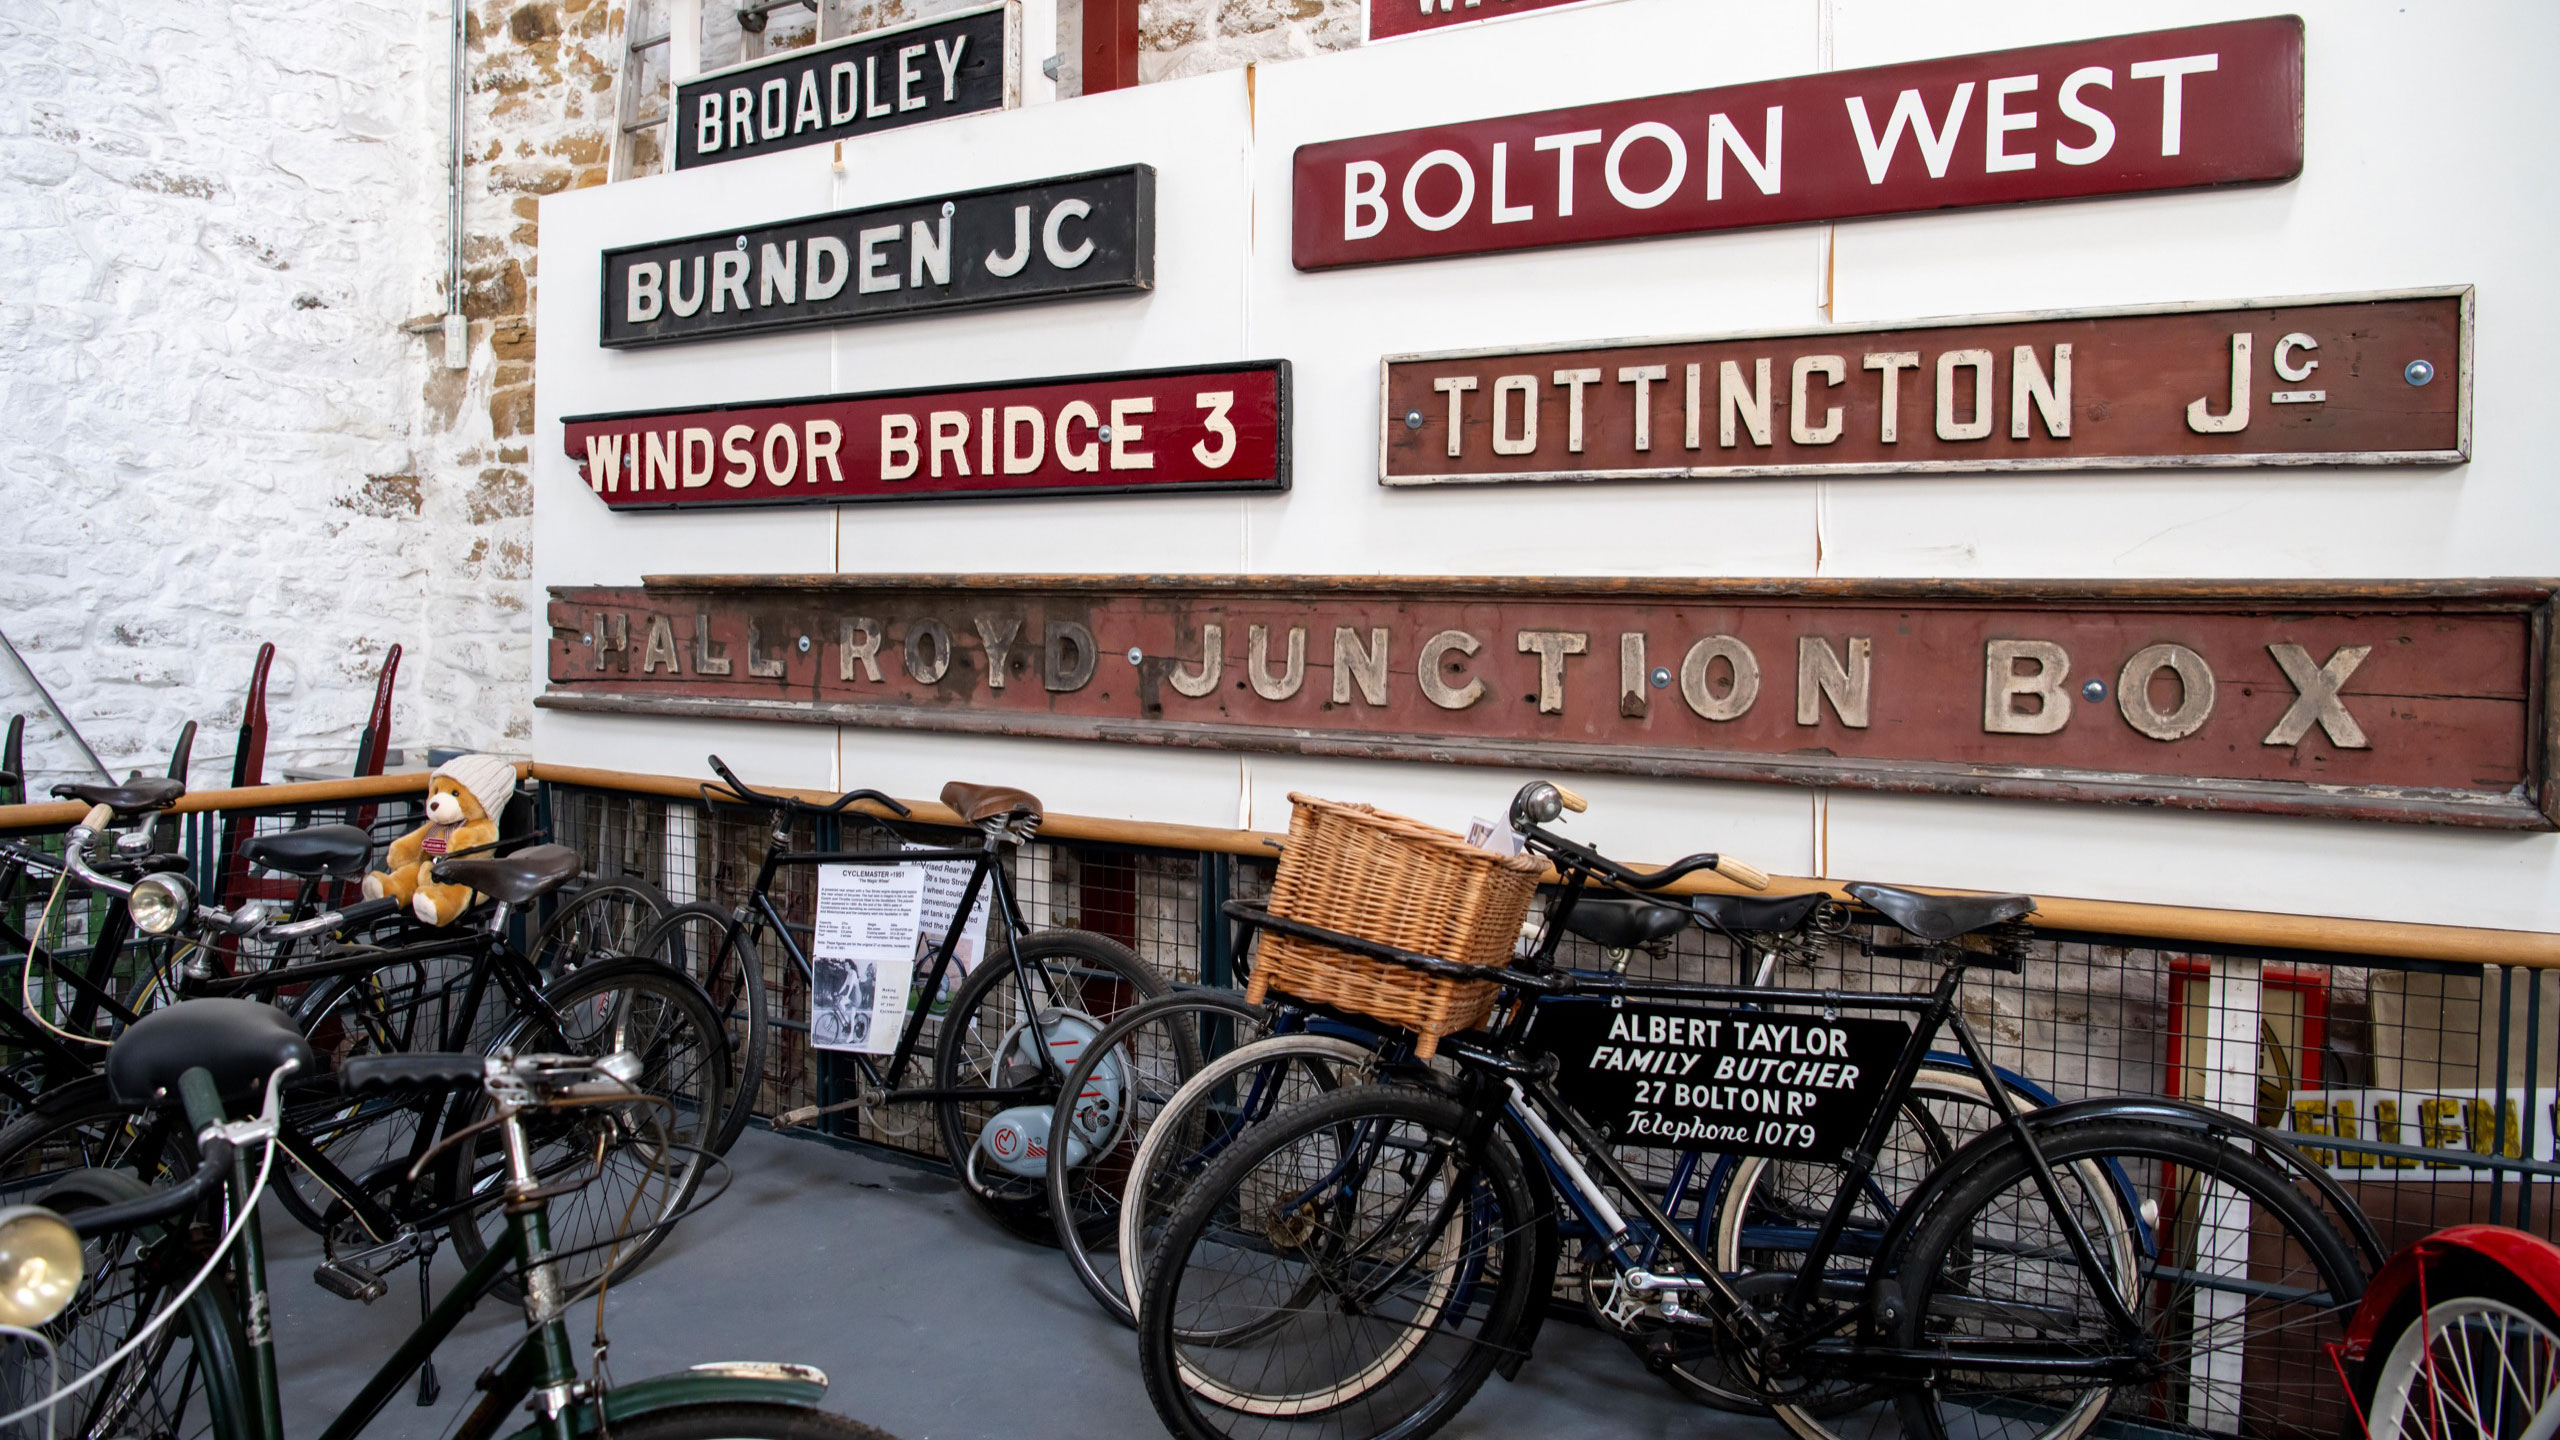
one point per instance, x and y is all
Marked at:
(1743, 1082)
(1055, 239)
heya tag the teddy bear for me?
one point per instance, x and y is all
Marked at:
(464, 797)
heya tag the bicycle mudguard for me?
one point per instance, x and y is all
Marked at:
(739, 1383)
(1524, 1335)
(2527, 1257)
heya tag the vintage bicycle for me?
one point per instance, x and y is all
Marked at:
(994, 1051)
(168, 1327)
(1358, 1266)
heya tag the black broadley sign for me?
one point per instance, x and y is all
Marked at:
(1054, 239)
(880, 80)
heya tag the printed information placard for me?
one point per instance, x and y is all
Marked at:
(1741, 1082)
(945, 881)
(863, 953)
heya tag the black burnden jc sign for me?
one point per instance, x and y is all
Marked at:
(1741, 1082)
(1061, 238)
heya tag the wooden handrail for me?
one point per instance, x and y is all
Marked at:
(2169, 923)
(248, 797)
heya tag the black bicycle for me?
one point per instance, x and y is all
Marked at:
(999, 1045)
(1357, 1266)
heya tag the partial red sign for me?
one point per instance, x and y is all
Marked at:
(2164, 110)
(2414, 702)
(1222, 427)
(2342, 380)
(1391, 18)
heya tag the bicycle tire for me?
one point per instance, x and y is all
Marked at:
(126, 1279)
(976, 1047)
(1755, 1194)
(402, 1007)
(647, 1177)
(1977, 1265)
(732, 1420)
(79, 1126)
(1141, 1072)
(605, 917)
(1181, 1144)
(1391, 1285)
(2480, 1323)
(698, 940)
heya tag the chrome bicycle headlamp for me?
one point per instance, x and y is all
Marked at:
(39, 1265)
(162, 904)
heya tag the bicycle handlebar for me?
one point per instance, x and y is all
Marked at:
(1541, 802)
(211, 1168)
(750, 795)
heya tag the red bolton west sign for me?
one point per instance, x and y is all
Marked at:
(1222, 427)
(2165, 110)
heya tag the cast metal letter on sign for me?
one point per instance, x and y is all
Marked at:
(2420, 701)
(2341, 380)
(2166, 110)
(1055, 239)
(1218, 427)
(880, 80)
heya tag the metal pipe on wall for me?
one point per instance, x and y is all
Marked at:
(457, 331)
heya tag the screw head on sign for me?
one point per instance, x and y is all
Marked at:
(1103, 430)
(1413, 419)
(804, 644)
(2094, 691)
(949, 209)
(1661, 677)
(586, 639)
(1136, 655)
(2419, 372)
(742, 242)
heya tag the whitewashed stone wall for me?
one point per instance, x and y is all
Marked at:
(1177, 38)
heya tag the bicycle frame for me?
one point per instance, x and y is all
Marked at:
(758, 914)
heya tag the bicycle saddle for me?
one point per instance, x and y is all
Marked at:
(989, 802)
(129, 799)
(1623, 924)
(241, 1042)
(527, 875)
(1757, 912)
(1942, 917)
(312, 852)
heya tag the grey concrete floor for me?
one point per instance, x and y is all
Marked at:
(932, 1324)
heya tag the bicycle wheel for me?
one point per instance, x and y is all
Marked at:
(735, 1421)
(2480, 1360)
(1011, 1017)
(158, 1392)
(1350, 1269)
(605, 917)
(650, 1163)
(696, 940)
(1111, 1098)
(1761, 1216)
(1230, 1095)
(79, 1127)
(404, 1006)
(2242, 1282)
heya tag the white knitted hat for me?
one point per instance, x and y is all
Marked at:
(490, 780)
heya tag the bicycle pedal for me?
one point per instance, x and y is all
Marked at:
(350, 1281)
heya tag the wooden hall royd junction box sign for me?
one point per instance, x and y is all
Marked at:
(2342, 380)
(2424, 701)
(2167, 110)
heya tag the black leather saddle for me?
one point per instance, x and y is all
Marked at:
(526, 876)
(313, 852)
(240, 1042)
(979, 803)
(1942, 917)
(134, 797)
(1777, 913)
(1613, 923)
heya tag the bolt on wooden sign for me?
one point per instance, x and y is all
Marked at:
(1216, 427)
(1057, 239)
(2165, 110)
(886, 79)
(2345, 380)
(2407, 702)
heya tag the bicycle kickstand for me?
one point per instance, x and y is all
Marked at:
(428, 1386)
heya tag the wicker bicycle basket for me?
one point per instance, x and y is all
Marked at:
(1397, 882)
